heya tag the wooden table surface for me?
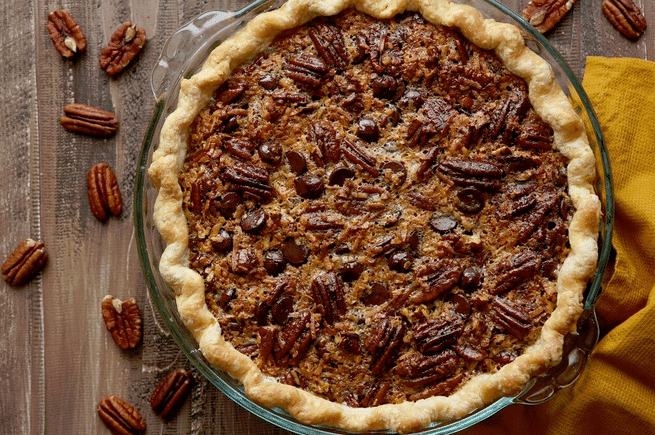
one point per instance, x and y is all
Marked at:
(57, 359)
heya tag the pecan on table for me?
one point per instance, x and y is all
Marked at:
(544, 14)
(120, 417)
(123, 321)
(89, 120)
(25, 262)
(104, 195)
(171, 392)
(125, 43)
(626, 17)
(67, 36)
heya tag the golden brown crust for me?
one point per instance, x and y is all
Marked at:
(549, 102)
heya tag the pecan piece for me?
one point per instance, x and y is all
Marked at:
(374, 394)
(328, 293)
(89, 120)
(306, 68)
(384, 342)
(535, 137)
(120, 417)
(330, 45)
(544, 14)
(433, 336)
(125, 43)
(289, 335)
(360, 157)
(420, 370)
(249, 179)
(123, 321)
(536, 217)
(65, 33)
(28, 259)
(104, 195)
(171, 392)
(385, 51)
(516, 271)
(325, 138)
(470, 172)
(513, 318)
(626, 17)
(435, 279)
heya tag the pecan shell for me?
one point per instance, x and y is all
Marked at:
(171, 392)
(89, 120)
(28, 259)
(104, 195)
(544, 14)
(626, 17)
(125, 43)
(120, 417)
(65, 33)
(123, 321)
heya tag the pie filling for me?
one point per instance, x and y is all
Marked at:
(377, 210)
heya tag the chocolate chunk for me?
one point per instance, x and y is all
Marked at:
(368, 130)
(269, 82)
(222, 242)
(350, 342)
(471, 278)
(294, 253)
(470, 200)
(270, 152)
(443, 224)
(274, 262)
(297, 162)
(400, 261)
(390, 218)
(412, 99)
(261, 313)
(255, 221)
(281, 309)
(226, 297)
(414, 240)
(397, 172)
(229, 203)
(461, 304)
(339, 176)
(310, 186)
(351, 271)
(377, 294)
(384, 86)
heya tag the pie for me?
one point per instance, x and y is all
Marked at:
(376, 218)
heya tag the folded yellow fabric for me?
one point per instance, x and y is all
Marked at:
(616, 392)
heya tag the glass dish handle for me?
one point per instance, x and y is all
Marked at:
(192, 42)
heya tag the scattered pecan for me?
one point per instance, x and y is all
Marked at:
(433, 336)
(538, 137)
(438, 114)
(421, 371)
(325, 138)
(384, 342)
(306, 68)
(123, 321)
(435, 279)
(374, 394)
(120, 417)
(249, 179)
(330, 44)
(359, 157)
(328, 293)
(471, 172)
(28, 259)
(626, 17)
(512, 273)
(513, 318)
(267, 337)
(324, 223)
(422, 201)
(104, 195)
(384, 49)
(171, 392)
(544, 14)
(291, 97)
(89, 120)
(65, 33)
(125, 44)
(441, 389)
(241, 148)
(231, 91)
(536, 217)
(290, 334)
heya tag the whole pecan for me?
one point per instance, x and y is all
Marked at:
(328, 292)
(249, 179)
(384, 342)
(360, 157)
(471, 172)
(123, 321)
(290, 334)
(435, 279)
(104, 195)
(25, 262)
(171, 392)
(89, 120)
(515, 271)
(306, 68)
(544, 14)
(67, 36)
(330, 44)
(420, 370)
(325, 138)
(513, 318)
(433, 336)
(626, 17)
(120, 417)
(125, 43)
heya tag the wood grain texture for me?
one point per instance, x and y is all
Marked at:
(58, 360)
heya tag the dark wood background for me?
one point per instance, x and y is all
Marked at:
(56, 358)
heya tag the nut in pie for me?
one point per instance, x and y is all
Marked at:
(378, 215)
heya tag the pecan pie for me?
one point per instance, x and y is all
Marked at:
(376, 218)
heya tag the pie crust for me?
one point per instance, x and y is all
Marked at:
(549, 102)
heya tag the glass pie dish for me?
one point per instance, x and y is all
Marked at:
(183, 55)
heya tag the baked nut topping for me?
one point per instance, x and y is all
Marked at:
(380, 213)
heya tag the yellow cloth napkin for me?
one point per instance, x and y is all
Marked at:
(616, 392)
